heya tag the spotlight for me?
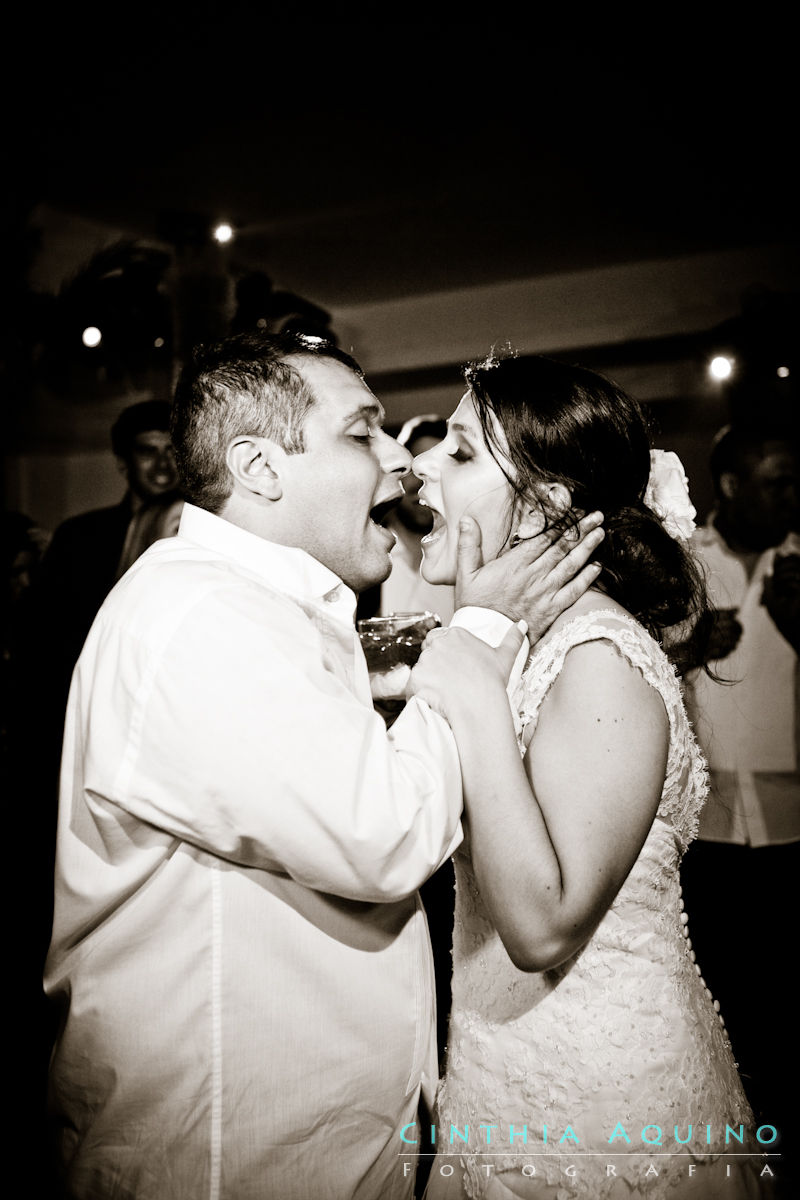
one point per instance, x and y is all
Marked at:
(223, 233)
(720, 367)
(91, 336)
(783, 372)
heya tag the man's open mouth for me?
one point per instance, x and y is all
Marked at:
(380, 512)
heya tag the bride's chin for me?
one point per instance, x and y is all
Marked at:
(433, 573)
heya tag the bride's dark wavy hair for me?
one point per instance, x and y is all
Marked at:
(568, 425)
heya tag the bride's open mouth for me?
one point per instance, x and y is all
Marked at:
(439, 523)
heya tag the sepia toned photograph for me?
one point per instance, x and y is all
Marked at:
(401, 628)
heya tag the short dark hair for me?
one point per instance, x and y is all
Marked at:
(737, 446)
(136, 419)
(242, 385)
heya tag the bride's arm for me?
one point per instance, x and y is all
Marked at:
(553, 837)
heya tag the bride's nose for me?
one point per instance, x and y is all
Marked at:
(423, 463)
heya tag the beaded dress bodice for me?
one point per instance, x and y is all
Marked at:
(625, 1030)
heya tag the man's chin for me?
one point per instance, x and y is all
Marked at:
(366, 580)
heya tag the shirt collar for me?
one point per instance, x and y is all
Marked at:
(288, 568)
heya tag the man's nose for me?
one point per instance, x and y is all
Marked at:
(394, 458)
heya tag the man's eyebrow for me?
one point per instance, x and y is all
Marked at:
(373, 412)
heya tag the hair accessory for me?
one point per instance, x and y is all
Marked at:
(496, 355)
(667, 494)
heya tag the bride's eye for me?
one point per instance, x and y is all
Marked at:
(460, 455)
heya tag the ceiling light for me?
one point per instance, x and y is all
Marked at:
(720, 367)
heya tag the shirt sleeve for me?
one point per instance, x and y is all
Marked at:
(236, 734)
(491, 627)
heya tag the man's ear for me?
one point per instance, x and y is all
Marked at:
(122, 466)
(255, 464)
(728, 485)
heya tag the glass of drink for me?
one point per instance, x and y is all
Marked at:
(392, 644)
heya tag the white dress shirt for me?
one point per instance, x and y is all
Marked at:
(238, 949)
(747, 724)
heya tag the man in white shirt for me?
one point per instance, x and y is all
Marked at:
(740, 876)
(239, 952)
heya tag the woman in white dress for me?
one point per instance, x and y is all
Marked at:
(577, 1003)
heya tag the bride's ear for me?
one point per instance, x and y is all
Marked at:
(550, 503)
(530, 520)
(557, 498)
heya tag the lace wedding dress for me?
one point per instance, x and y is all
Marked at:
(623, 1035)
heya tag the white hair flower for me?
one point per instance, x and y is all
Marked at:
(668, 494)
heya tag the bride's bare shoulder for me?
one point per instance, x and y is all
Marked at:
(593, 601)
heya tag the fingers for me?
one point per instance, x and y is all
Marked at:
(509, 648)
(559, 542)
(572, 560)
(432, 634)
(579, 542)
(469, 556)
(575, 587)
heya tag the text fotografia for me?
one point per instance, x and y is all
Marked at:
(485, 1134)
(610, 1170)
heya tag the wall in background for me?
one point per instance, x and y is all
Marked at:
(411, 350)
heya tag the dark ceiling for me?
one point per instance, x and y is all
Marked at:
(367, 160)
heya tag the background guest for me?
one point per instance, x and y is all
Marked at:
(740, 877)
(82, 561)
(157, 519)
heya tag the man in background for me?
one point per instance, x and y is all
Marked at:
(740, 878)
(83, 559)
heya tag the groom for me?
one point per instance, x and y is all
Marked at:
(239, 955)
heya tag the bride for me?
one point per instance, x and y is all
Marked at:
(578, 1013)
